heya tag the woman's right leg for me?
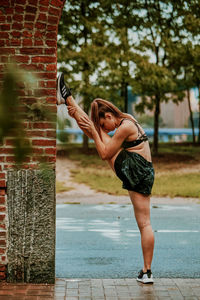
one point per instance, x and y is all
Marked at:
(78, 112)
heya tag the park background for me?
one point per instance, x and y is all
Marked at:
(146, 49)
(144, 57)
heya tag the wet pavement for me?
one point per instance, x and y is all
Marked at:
(95, 242)
(103, 241)
(104, 289)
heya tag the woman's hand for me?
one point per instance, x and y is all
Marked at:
(87, 124)
(71, 110)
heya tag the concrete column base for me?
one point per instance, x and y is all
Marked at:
(31, 229)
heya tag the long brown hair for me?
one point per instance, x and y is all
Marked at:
(98, 109)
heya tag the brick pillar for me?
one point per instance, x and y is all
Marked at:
(28, 34)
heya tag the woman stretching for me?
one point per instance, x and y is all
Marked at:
(128, 154)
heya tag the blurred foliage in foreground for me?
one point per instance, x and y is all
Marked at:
(14, 113)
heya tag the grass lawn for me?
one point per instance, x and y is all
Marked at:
(177, 169)
(61, 187)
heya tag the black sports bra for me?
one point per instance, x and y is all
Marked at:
(142, 137)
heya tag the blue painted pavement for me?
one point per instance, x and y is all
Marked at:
(103, 241)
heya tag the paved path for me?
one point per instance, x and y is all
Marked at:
(103, 241)
(104, 289)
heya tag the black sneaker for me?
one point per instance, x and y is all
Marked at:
(63, 92)
(146, 277)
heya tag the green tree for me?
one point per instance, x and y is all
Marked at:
(81, 48)
(155, 79)
(182, 60)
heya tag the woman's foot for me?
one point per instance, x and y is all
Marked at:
(63, 92)
(145, 277)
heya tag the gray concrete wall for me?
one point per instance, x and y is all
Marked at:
(31, 226)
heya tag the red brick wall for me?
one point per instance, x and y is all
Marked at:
(28, 34)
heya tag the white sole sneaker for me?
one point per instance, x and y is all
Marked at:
(145, 279)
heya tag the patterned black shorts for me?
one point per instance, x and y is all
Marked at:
(135, 172)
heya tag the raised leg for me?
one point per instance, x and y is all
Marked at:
(141, 204)
(77, 112)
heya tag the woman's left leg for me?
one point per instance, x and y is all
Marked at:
(141, 204)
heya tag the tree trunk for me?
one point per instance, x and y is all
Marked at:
(124, 94)
(199, 117)
(125, 97)
(156, 125)
(191, 115)
(85, 143)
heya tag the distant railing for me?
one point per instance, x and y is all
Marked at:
(165, 134)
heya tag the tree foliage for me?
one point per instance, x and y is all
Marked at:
(150, 45)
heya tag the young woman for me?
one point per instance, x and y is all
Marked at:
(129, 156)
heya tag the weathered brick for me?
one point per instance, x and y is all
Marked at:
(15, 42)
(2, 217)
(38, 133)
(17, 26)
(27, 42)
(2, 250)
(2, 192)
(54, 11)
(51, 28)
(42, 17)
(31, 50)
(51, 133)
(51, 159)
(42, 125)
(21, 2)
(44, 2)
(2, 19)
(56, 3)
(44, 59)
(18, 18)
(5, 27)
(50, 151)
(53, 20)
(51, 43)
(3, 226)
(40, 25)
(31, 9)
(33, 2)
(16, 34)
(2, 268)
(38, 150)
(49, 51)
(43, 143)
(2, 209)
(4, 35)
(51, 99)
(27, 33)
(9, 10)
(38, 43)
(2, 183)
(21, 58)
(19, 9)
(51, 35)
(4, 3)
(29, 18)
(51, 67)
(28, 25)
(2, 200)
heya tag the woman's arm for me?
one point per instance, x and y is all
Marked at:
(108, 150)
